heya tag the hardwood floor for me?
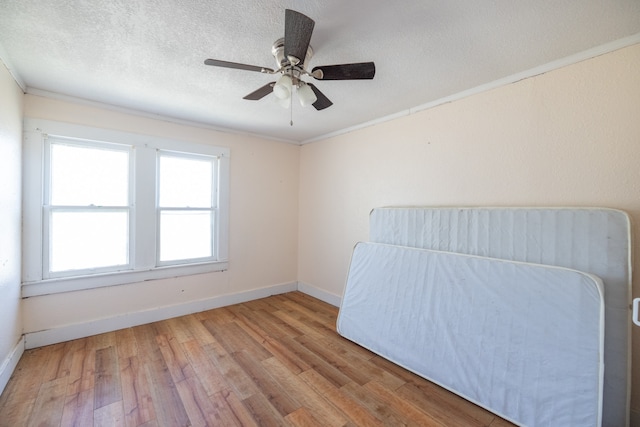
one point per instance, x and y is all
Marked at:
(270, 362)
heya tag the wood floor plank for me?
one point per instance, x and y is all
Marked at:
(318, 364)
(162, 328)
(25, 381)
(263, 331)
(211, 378)
(166, 399)
(136, 392)
(353, 355)
(318, 324)
(105, 340)
(84, 364)
(303, 418)
(442, 407)
(111, 415)
(293, 362)
(401, 406)
(180, 329)
(359, 415)
(54, 362)
(219, 316)
(224, 414)
(47, 409)
(254, 329)
(126, 343)
(234, 339)
(174, 358)
(265, 304)
(148, 349)
(313, 303)
(275, 392)
(264, 414)
(326, 320)
(316, 405)
(274, 361)
(355, 373)
(107, 378)
(82, 371)
(78, 409)
(239, 410)
(347, 348)
(198, 330)
(309, 330)
(274, 326)
(17, 413)
(196, 403)
(375, 406)
(233, 374)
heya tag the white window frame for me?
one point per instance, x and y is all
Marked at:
(142, 248)
(214, 209)
(48, 208)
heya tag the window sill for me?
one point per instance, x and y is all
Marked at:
(79, 283)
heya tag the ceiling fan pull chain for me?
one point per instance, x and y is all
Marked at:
(291, 109)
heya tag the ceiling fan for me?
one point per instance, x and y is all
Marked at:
(292, 52)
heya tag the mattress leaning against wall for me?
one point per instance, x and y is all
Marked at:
(522, 340)
(594, 240)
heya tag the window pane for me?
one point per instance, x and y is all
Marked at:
(83, 176)
(185, 235)
(185, 182)
(81, 240)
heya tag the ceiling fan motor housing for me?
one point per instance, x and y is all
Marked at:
(277, 50)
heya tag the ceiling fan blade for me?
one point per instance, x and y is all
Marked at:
(297, 35)
(260, 93)
(227, 64)
(361, 70)
(322, 102)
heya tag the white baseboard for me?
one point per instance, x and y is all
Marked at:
(321, 294)
(9, 364)
(81, 330)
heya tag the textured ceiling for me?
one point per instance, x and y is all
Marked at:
(148, 55)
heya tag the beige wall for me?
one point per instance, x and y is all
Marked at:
(263, 223)
(570, 137)
(11, 100)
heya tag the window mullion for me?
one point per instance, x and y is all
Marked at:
(145, 208)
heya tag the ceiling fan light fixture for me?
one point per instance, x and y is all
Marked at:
(282, 88)
(306, 95)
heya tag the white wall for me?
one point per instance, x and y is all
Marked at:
(11, 102)
(263, 229)
(570, 137)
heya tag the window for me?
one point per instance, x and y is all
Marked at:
(87, 207)
(103, 208)
(186, 207)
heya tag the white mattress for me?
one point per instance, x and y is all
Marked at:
(596, 241)
(522, 340)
